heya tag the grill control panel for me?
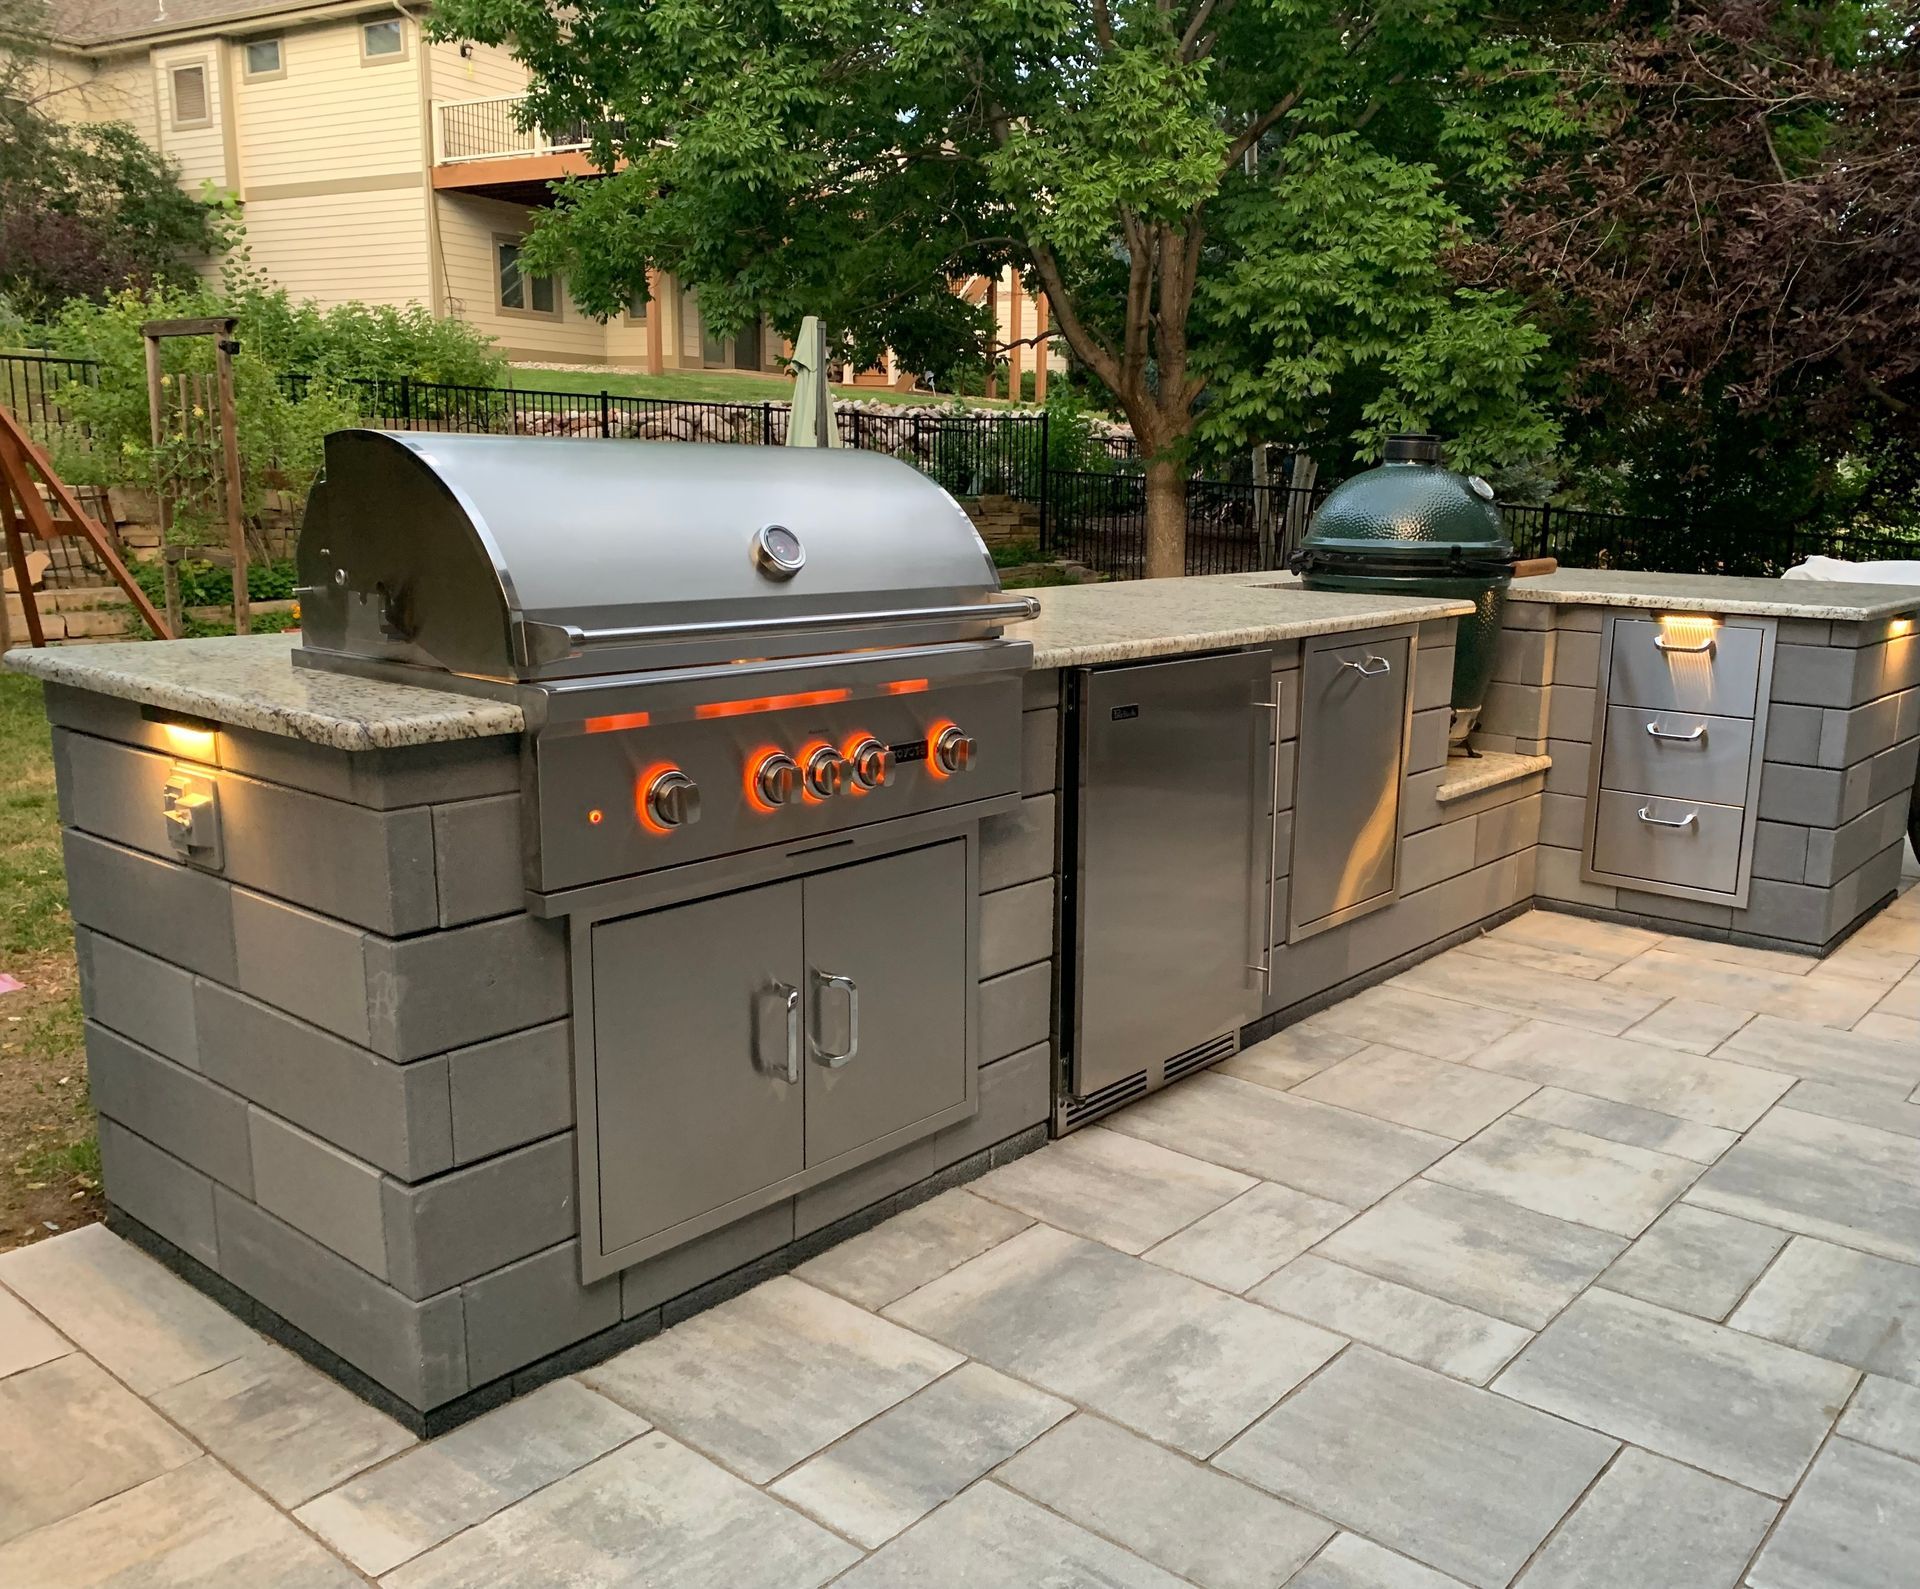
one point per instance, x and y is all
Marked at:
(636, 791)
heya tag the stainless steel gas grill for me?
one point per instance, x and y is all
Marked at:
(768, 703)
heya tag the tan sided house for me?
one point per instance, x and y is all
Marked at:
(369, 163)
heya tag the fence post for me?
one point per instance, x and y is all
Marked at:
(1046, 471)
(766, 424)
(606, 425)
(406, 403)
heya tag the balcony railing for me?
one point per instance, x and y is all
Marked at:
(490, 129)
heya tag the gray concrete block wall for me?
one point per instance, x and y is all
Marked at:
(361, 1115)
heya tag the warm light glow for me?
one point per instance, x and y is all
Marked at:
(806, 755)
(755, 762)
(852, 743)
(620, 720)
(596, 816)
(642, 787)
(194, 743)
(906, 686)
(1898, 627)
(933, 739)
(770, 703)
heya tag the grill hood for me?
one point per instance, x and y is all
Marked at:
(523, 559)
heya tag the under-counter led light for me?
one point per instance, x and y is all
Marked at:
(196, 744)
(1898, 627)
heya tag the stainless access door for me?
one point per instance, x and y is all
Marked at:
(1170, 884)
(699, 1036)
(887, 976)
(1354, 725)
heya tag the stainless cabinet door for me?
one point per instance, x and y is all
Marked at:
(690, 1029)
(1173, 844)
(1346, 807)
(887, 975)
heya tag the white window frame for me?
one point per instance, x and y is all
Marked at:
(278, 70)
(367, 25)
(527, 278)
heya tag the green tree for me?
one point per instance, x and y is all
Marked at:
(1235, 207)
(90, 209)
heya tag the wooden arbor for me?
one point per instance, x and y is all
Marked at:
(200, 412)
(25, 512)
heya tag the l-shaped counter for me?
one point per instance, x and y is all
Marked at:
(334, 1073)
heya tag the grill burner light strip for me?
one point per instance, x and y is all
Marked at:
(771, 703)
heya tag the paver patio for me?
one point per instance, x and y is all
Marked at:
(1575, 1258)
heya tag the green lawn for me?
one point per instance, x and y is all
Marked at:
(707, 386)
(49, 1159)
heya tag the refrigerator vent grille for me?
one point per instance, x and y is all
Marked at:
(1199, 1058)
(1077, 1111)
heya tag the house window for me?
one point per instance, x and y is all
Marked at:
(521, 292)
(263, 59)
(189, 90)
(637, 309)
(382, 41)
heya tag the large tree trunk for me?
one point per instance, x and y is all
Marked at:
(1166, 518)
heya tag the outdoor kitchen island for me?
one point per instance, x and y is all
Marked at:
(334, 1060)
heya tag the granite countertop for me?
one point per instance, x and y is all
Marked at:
(1082, 625)
(250, 681)
(1719, 593)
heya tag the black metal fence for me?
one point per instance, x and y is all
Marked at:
(1093, 516)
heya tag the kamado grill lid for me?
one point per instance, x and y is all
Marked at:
(526, 559)
(1410, 514)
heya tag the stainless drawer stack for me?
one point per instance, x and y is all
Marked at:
(1681, 722)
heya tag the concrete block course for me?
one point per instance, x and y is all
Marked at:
(524, 1311)
(459, 1225)
(1016, 1011)
(1432, 677)
(508, 1091)
(316, 1188)
(191, 1117)
(477, 859)
(447, 989)
(416, 1349)
(167, 909)
(1016, 926)
(1017, 846)
(1429, 743)
(139, 996)
(159, 1189)
(307, 964)
(393, 1116)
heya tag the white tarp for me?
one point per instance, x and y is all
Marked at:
(1835, 571)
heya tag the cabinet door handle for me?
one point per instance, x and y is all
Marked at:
(1662, 643)
(826, 982)
(1264, 965)
(1367, 669)
(788, 1070)
(1662, 733)
(1652, 821)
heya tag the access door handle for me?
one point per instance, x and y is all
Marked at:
(1662, 643)
(1652, 821)
(1687, 739)
(789, 1069)
(827, 982)
(1368, 669)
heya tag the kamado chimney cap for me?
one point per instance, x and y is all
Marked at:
(1411, 446)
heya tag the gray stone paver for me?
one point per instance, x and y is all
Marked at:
(1836, 1303)
(796, 1406)
(1192, 1520)
(1461, 1479)
(1695, 1261)
(1653, 1524)
(1854, 1525)
(282, 1425)
(888, 1474)
(1746, 1409)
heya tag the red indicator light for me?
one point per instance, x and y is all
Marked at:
(906, 686)
(755, 762)
(619, 721)
(596, 816)
(770, 703)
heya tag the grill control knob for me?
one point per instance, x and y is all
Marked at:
(953, 751)
(673, 799)
(872, 764)
(826, 773)
(777, 779)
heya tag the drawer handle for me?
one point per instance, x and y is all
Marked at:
(1661, 643)
(827, 981)
(1652, 821)
(1366, 669)
(1686, 739)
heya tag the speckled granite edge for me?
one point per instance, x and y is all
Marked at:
(1491, 768)
(250, 682)
(1760, 598)
(1087, 625)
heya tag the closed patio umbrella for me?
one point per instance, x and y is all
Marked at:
(812, 422)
